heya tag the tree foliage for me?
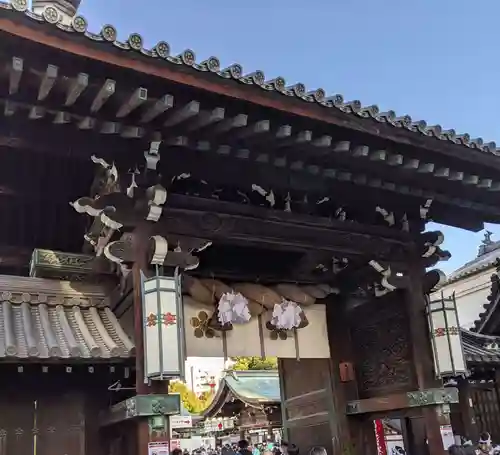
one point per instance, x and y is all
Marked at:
(190, 401)
(254, 363)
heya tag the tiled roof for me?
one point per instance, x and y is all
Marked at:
(480, 348)
(161, 53)
(490, 307)
(250, 387)
(254, 386)
(55, 322)
(481, 262)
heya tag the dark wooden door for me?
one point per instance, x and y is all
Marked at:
(307, 403)
(41, 424)
(61, 424)
(17, 431)
(486, 401)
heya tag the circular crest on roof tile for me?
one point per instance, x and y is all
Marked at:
(319, 94)
(25, 297)
(406, 121)
(6, 296)
(236, 70)
(109, 33)
(19, 5)
(188, 57)
(79, 24)
(299, 89)
(258, 77)
(162, 49)
(465, 138)
(278, 83)
(135, 41)
(51, 15)
(337, 99)
(355, 105)
(213, 64)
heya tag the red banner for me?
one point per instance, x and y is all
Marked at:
(380, 437)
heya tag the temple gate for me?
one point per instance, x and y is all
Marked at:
(222, 213)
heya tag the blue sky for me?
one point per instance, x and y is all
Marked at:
(434, 60)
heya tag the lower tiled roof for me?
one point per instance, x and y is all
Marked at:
(41, 331)
(53, 319)
(480, 348)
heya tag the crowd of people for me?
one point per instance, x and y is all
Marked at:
(485, 446)
(245, 448)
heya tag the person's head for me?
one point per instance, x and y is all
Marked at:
(469, 450)
(293, 449)
(243, 444)
(484, 441)
(318, 451)
(177, 452)
(455, 450)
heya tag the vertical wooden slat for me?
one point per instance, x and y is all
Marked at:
(284, 416)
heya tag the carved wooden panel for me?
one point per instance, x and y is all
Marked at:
(382, 346)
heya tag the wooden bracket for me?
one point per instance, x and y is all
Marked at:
(141, 406)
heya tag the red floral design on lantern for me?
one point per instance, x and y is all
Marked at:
(440, 332)
(169, 319)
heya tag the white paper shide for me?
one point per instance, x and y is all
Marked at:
(286, 315)
(233, 309)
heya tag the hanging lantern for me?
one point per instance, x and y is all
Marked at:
(164, 353)
(446, 337)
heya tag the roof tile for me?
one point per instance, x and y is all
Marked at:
(42, 331)
(161, 51)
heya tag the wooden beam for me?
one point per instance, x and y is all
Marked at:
(76, 88)
(48, 81)
(107, 90)
(137, 98)
(182, 114)
(244, 225)
(414, 399)
(160, 106)
(15, 73)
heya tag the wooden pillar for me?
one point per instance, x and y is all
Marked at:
(463, 417)
(145, 434)
(351, 434)
(423, 363)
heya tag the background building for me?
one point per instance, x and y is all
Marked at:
(203, 374)
(471, 282)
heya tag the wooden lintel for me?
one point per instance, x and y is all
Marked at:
(234, 224)
(415, 399)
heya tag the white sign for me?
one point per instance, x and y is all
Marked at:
(447, 436)
(158, 448)
(181, 422)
